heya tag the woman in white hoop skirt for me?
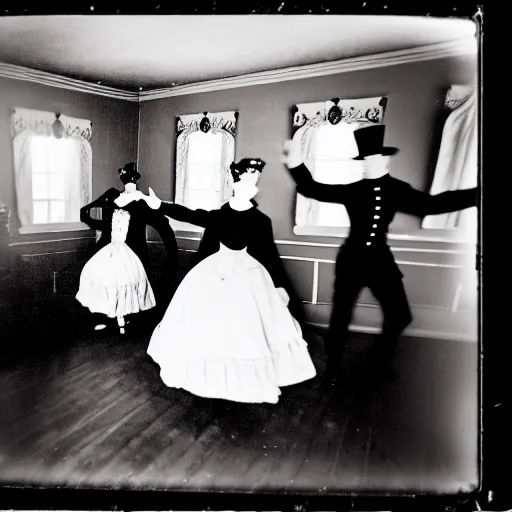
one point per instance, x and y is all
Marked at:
(114, 282)
(227, 332)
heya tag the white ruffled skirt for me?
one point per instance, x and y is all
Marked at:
(228, 334)
(114, 282)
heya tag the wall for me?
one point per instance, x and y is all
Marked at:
(35, 258)
(415, 96)
(435, 272)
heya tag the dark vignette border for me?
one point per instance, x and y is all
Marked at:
(494, 410)
(455, 8)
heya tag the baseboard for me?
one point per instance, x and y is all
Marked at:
(412, 333)
(434, 323)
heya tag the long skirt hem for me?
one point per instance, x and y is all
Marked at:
(114, 301)
(114, 282)
(228, 334)
(249, 381)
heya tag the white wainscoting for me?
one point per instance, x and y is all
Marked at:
(439, 276)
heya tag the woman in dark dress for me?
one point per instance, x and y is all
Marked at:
(228, 332)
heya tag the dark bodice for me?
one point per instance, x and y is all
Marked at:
(236, 230)
(371, 204)
(141, 215)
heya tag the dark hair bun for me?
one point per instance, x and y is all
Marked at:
(237, 169)
(129, 173)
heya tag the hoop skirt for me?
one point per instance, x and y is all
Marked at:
(114, 281)
(228, 334)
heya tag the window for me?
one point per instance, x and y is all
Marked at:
(205, 148)
(204, 171)
(333, 164)
(326, 132)
(55, 180)
(52, 170)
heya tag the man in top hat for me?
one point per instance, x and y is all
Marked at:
(365, 260)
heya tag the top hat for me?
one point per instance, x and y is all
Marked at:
(370, 141)
(129, 173)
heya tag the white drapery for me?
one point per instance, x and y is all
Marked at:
(25, 124)
(224, 123)
(308, 118)
(457, 166)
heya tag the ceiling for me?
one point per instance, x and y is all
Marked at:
(130, 52)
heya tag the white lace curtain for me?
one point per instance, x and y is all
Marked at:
(308, 117)
(224, 123)
(457, 166)
(27, 123)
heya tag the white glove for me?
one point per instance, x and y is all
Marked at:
(283, 295)
(292, 153)
(153, 201)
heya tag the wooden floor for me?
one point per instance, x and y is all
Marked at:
(84, 408)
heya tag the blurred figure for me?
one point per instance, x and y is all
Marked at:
(365, 260)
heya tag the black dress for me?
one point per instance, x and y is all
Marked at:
(250, 229)
(366, 259)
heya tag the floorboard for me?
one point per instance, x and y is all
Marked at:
(88, 408)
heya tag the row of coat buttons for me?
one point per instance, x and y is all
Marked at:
(376, 217)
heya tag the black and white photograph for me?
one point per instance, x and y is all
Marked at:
(240, 253)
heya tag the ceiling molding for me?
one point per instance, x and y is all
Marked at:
(54, 80)
(422, 53)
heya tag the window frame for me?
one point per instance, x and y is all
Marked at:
(317, 113)
(307, 117)
(51, 227)
(224, 123)
(27, 123)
